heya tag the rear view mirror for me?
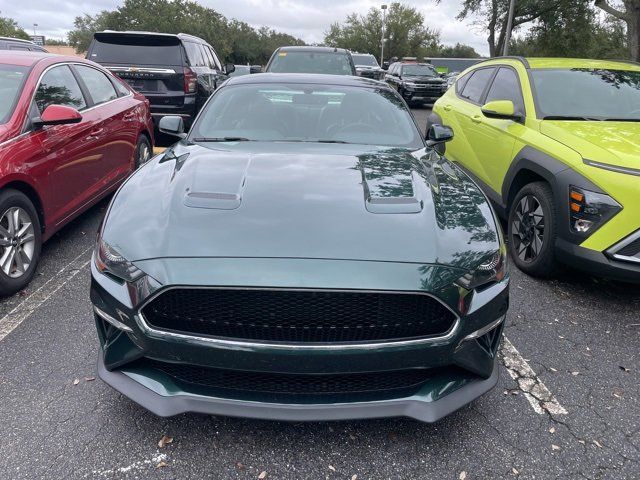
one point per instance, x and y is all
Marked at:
(500, 109)
(172, 125)
(58, 115)
(229, 68)
(255, 69)
(437, 134)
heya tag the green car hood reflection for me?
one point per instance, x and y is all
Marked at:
(302, 200)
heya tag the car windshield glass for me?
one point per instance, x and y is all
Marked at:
(422, 70)
(311, 62)
(594, 94)
(307, 113)
(11, 79)
(366, 60)
(137, 51)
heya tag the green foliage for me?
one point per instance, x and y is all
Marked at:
(459, 50)
(9, 28)
(405, 32)
(236, 42)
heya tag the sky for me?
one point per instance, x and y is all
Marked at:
(306, 19)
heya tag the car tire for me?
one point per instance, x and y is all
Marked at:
(143, 152)
(532, 230)
(19, 252)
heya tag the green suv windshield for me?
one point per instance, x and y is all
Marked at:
(307, 113)
(311, 62)
(587, 94)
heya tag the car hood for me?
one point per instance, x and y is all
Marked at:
(613, 143)
(296, 200)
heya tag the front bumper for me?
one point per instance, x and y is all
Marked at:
(424, 406)
(464, 368)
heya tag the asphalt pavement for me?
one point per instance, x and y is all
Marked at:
(566, 405)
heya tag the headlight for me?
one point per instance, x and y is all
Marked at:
(110, 262)
(494, 269)
(590, 210)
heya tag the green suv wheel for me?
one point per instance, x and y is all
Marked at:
(532, 230)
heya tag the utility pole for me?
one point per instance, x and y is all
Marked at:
(384, 18)
(507, 37)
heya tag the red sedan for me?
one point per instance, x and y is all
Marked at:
(70, 133)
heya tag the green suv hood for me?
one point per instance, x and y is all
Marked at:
(298, 200)
(613, 143)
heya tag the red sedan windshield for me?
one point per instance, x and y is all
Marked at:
(11, 80)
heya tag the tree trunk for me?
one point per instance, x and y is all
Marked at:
(633, 29)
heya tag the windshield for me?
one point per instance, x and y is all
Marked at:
(307, 113)
(11, 79)
(421, 70)
(365, 60)
(587, 94)
(311, 62)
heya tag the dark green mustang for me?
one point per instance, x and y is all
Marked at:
(302, 254)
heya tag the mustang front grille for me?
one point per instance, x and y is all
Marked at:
(299, 316)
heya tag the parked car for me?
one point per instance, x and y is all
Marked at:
(416, 81)
(8, 43)
(245, 70)
(301, 254)
(554, 144)
(367, 66)
(70, 133)
(451, 78)
(320, 60)
(177, 73)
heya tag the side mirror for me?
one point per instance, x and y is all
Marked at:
(229, 68)
(385, 65)
(500, 109)
(58, 115)
(437, 134)
(255, 69)
(172, 125)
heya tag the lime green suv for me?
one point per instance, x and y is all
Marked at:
(555, 144)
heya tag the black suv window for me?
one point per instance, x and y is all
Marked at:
(476, 84)
(194, 54)
(58, 86)
(506, 86)
(117, 49)
(100, 87)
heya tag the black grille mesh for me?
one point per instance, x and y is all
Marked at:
(232, 383)
(630, 250)
(298, 316)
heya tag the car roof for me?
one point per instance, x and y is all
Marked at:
(28, 59)
(17, 40)
(306, 78)
(182, 36)
(306, 48)
(557, 62)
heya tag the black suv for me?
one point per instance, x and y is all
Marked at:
(177, 73)
(327, 60)
(8, 43)
(367, 66)
(416, 81)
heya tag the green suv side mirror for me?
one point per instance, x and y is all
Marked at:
(501, 109)
(437, 134)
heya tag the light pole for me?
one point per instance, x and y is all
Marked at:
(384, 18)
(507, 37)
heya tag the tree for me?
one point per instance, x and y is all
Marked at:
(631, 17)
(9, 28)
(405, 32)
(459, 50)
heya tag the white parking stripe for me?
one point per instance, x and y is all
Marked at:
(536, 392)
(15, 317)
(157, 459)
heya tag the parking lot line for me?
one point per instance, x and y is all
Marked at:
(536, 392)
(15, 317)
(158, 458)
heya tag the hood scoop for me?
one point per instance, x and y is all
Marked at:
(218, 185)
(390, 183)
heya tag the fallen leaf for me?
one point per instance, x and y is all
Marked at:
(89, 379)
(239, 466)
(552, 430)
(76, 381)
(463, 475)
(553, 369)
(617, 392)
(332, 468)
(560, 337)
(392, 436)
(354, 477)
(262, 475)
(575, 373)
(515, 471)
(164, 441)
(581, 441)
(624, 369)
(162, 464)
(555, 447)
(597, 444)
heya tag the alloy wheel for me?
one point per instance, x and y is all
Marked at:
(143, 153)
(17, 242)
(528, 228)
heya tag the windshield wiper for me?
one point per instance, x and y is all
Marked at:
(570, 117)
(222, 139)
(333, 141)
(621, 119)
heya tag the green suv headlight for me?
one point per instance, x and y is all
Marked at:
(492, 270)
(110, 262)
(590, 210)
